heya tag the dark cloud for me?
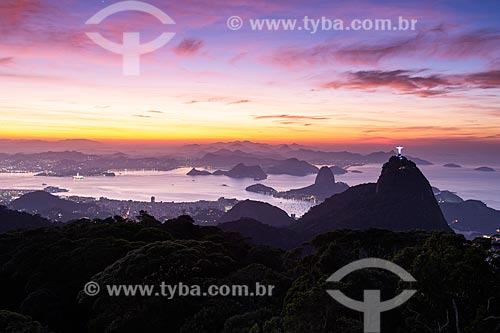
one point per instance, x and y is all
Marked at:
(154, 111)
(188, 47)
(484, 80)
(410, 82)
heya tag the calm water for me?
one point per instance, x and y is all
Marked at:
(176, 186)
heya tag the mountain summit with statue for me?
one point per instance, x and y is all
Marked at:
(402, 199)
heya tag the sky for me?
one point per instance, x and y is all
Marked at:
(437, 83)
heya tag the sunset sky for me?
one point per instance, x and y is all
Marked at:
(209, 82)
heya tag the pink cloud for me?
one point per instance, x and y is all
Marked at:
(237, 58)
(241, 101)
(6, 61)
(228, 100)
(288, 119)
(438, 43)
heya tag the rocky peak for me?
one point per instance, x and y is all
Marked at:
(401, 176)
(325, 177)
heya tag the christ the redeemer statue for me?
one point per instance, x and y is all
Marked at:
(400, 150)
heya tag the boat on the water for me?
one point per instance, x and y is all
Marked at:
(78, 177)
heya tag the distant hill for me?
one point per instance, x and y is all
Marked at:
(485, 169)
(471, 215)
(31, 146)
(452, 165)
(226, 154)
(447, 196)
(260, 188)
(196, 172)
(12, 220)
(338, 170)
(323, 187)
(345, 158)
(260, 211)
(243, 171)
(291, 166)
(41, 200)
(284, 158)
(402, 199)
(239, 171)
(260, 149)
(225, 158)
(50, 206)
